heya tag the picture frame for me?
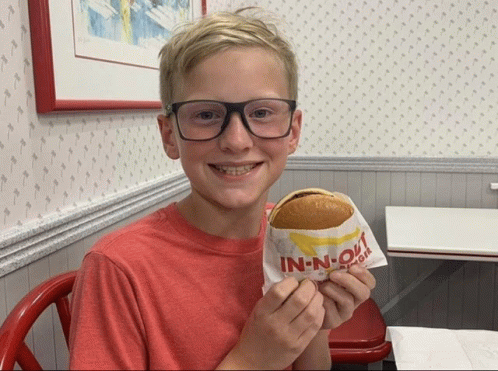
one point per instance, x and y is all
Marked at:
(68, 81)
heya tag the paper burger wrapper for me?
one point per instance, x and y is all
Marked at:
(315, 253)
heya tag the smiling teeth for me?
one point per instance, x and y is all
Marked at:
(234, 170)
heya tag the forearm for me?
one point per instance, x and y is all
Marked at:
(316, 356)
(235, 360)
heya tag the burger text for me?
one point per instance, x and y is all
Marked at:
(357, 254)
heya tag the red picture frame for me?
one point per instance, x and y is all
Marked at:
(47, 99)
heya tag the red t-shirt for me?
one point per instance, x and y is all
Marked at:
(161, 294)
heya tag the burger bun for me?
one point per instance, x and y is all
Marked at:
(311, 209)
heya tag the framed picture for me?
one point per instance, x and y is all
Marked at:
(102, 54)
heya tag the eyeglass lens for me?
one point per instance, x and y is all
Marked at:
(203, 120)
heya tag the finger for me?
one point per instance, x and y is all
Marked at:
(332, 317)
(297, 301)
(338, 303)
(278, 294)
(342, 299)
(310, 320)
(364, 275)
(351, 284)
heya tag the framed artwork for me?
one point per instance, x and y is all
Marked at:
(102, 54)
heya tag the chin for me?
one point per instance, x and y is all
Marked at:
(240, 201)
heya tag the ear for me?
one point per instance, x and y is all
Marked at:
(170, 142)
(295, 133)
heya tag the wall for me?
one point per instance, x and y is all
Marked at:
(391, 78)
(63, 161)
(378, 79)
(60, 173)
(394, 77)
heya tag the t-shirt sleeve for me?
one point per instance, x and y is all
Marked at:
(107, 331)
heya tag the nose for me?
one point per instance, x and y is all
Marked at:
(235, 137)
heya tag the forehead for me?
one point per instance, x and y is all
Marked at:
(248, 72)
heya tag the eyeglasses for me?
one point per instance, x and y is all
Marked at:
(202, 120)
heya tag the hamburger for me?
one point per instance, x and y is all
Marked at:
(312, 232)
(311, 209)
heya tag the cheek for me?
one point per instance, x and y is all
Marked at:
(192, 152)
(278, 152)
(279, 147)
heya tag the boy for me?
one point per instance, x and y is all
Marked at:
(181, 289)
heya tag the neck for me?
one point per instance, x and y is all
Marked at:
(219, 221)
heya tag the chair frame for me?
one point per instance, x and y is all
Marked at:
(353, 343)
(16, 326)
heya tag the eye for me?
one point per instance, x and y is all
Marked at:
(265, 110)
(206, 115)
(260, 113)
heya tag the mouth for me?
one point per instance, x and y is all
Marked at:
(235, 170)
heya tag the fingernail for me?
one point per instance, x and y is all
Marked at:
(303, 282)
(306, 280)
(353, 267)
(315, 283)
(357, 267)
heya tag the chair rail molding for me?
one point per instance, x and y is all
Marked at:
(414, 164)
(35, 239)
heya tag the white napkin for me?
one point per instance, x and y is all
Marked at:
(421, 348)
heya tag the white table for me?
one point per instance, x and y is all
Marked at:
(442, 233)
(452, 235)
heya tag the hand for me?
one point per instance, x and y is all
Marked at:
(281, 326)
(343, 293)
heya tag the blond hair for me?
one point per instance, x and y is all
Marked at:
(196, 41)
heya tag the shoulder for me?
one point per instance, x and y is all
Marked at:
(136, 238)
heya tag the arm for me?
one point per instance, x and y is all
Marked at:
(316, 356)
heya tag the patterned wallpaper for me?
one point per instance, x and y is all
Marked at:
(378, 78)
(62, 161)
(395, 77)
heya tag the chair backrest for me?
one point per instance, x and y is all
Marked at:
(20, 320)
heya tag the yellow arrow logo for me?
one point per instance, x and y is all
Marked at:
(307, 243)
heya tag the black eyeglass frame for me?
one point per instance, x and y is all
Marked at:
(231, 108)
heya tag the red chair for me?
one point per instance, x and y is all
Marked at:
(20, 320)
(360, 340)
